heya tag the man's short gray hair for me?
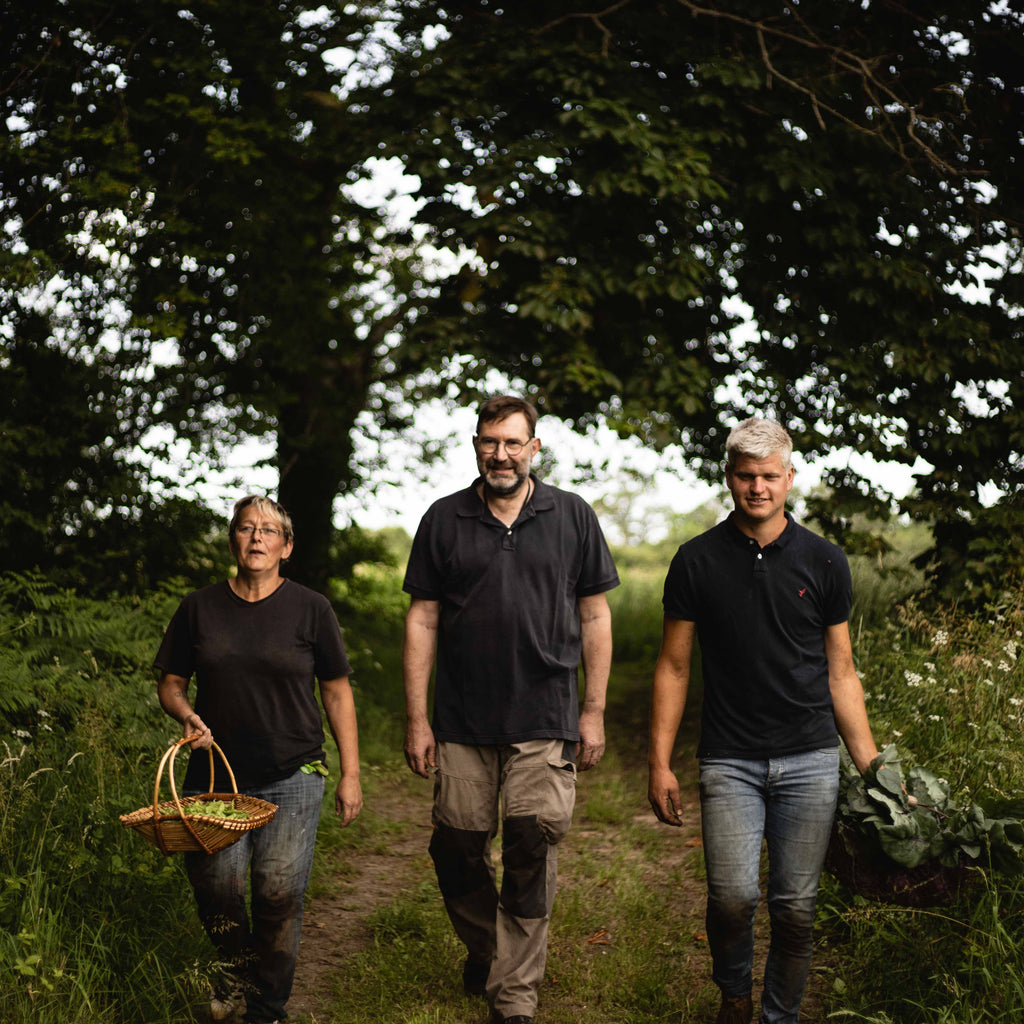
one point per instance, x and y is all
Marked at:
(758, 439)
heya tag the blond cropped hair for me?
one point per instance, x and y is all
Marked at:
(758, 439)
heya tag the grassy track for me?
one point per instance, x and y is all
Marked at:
(97, 927)
(627, 938)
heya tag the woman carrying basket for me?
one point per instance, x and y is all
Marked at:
(257, 644)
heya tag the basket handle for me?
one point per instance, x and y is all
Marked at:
(168, 760)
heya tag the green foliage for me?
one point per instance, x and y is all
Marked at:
(81, 732)
(632, 182)
(645, 556)
(956, 965)
(945, 686)
(212, 809)
(186, 252)
(637, 617)
(910, 818)
(976, 555)
(186, 255)
(61, 657)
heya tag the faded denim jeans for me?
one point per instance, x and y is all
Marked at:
(263, 942)
(789, 802)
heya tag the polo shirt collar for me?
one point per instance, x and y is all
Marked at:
(470, 504)
(781, 541)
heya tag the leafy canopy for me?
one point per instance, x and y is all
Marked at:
(621, 188)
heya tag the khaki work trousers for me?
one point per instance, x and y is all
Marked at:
(533, 786)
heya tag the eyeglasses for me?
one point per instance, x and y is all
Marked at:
(266, 531)
(489, 445)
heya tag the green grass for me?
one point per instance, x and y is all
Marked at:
(98, 926)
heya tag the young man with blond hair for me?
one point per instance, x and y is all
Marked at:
(769, 602)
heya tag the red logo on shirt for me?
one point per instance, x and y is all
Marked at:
(801, 592)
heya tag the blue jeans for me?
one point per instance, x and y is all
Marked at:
(790, 803)
(264, 947)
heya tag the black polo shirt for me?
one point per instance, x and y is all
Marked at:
(509, 634)
(761, 614)
(256, 664)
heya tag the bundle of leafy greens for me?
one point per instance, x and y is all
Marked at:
(213, 809)
(909, 818)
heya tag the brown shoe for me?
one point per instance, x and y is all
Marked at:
(739, 1010)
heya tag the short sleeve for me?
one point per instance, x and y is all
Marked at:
(176, 654)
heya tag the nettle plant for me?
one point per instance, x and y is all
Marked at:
(909, 818)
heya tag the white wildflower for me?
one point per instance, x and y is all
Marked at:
(897, 733)
(951, 692)
(1016, 701)
(932, 681)
(43, 714)
(912, 678)
(1004, 666)
(930, 666)
(934, 718)
(986, 662)
(22, 734)
(1011, 649)
(940, 639)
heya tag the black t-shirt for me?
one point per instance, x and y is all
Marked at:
(509, 633)
(256, 665)
(761, 615)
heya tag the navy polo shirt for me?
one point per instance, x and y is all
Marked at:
(509, 639)
(761, 614)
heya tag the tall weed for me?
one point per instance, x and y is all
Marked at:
(79, 729)
(948, 689)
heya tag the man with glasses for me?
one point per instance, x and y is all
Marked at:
(507, 580)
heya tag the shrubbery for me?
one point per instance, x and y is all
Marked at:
(81, 725)
(97, 926)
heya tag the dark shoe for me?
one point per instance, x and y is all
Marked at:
(519, 1018)
(739, 1010)
(474, 977)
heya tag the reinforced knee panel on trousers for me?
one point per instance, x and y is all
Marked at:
(524, 855)
(458, 856)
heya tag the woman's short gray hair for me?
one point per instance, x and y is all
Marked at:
(758, 439)
(264, 507)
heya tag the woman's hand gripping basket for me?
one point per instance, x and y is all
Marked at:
(204, 823)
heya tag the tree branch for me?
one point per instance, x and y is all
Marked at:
(880, 95)
(595, 17)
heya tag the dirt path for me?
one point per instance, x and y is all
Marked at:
(335, 924)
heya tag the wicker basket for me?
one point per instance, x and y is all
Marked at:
(875, 877)
(167, 826)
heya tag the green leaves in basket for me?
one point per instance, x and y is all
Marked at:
(909, 818)
(214, 809)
